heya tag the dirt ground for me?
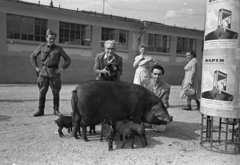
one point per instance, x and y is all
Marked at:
(25, 140)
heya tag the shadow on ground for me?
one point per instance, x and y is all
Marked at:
(180, 130)
(26, 100)
(4, 118)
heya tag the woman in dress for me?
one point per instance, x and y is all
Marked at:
(143, 62)
(190, 80)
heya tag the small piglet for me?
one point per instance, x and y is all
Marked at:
(139, 130)
(64, 121)
(107, 133)
(125, 130)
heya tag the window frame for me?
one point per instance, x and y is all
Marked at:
(119, 35)
(75, 34)
(159, 43)
(185, 45)
(24, 28)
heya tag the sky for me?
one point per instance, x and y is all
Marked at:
(181, 13)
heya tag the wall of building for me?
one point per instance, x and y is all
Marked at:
(14, 54)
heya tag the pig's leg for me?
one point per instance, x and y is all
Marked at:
(145, 139)
(143, 142)
(76, 124)
(123, 144)
(60, 132)
(132, 139)
(84, 133)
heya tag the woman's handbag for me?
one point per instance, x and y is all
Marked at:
(190, 92)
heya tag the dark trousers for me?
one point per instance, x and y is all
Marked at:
(45, 82)
(43, 85)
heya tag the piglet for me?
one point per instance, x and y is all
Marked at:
(139, 130)
(125, 130)
(64, 122)
(107, 133)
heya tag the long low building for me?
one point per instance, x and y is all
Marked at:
(82, 34)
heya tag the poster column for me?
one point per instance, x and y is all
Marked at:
(221, 60)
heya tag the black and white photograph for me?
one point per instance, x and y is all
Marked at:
(119, 82)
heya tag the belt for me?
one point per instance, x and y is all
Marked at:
(50, 66)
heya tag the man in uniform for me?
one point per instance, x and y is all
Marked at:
(108, 65)
(158, 87)
(49, 74)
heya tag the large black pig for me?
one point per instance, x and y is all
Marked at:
(92, 101)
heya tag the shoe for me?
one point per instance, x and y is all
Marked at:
(198, 105)
(198, 108)
(56, 112)
(188, 108)
(39, 113)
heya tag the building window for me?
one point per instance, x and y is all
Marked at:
(75, 34)
(185, 45)
(26, 28)
(120, 36)
(159, 43)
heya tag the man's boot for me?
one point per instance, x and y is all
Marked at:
(41, 105)
(56, 106)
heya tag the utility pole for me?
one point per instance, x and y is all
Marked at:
(51, 4)
(103, 5)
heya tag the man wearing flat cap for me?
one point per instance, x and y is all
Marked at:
(49, 73)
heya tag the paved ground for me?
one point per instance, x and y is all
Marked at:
(28, 141)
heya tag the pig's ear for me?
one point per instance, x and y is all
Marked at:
(156, 106)
(164, 107)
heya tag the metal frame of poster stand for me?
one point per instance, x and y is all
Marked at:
(220, 134)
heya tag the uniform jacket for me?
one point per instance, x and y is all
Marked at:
(49, 62)
(162, 91)
(101, 63)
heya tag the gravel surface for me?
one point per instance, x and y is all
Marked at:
(26, 140)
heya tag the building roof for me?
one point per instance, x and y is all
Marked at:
(95, 14)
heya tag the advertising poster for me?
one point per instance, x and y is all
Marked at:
(220, 93)
(221, 25)
(218, 79)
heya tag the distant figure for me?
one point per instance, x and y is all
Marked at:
(190, 80)
(108, 65)
(49, 74)
(143, 62)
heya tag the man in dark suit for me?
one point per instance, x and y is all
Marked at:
(108, 65)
